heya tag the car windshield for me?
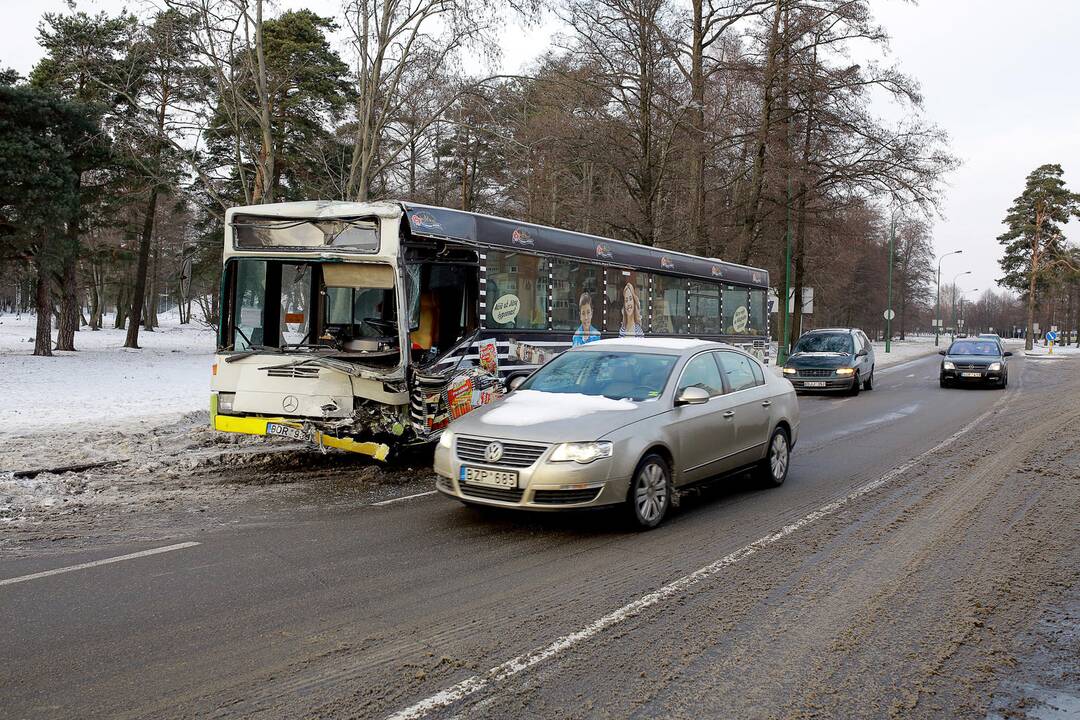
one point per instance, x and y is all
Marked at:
(839, 343)
(988, 347)
(616, 375)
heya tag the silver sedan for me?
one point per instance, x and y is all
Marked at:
(622, 422)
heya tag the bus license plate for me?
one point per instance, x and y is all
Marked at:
(285, 431)
(814, 383)
(491, 478)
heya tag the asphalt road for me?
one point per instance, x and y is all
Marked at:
(831, 596)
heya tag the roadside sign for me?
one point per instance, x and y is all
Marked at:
(185, 277)
(889, 314)
(1052, 336)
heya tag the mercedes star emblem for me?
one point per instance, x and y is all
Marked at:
(290, 403)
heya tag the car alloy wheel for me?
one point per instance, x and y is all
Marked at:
(650, 492)
(779, 456)
(772, 470)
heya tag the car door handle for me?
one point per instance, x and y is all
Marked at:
(766, 403)
(729, 414)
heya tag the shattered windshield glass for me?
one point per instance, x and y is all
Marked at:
(251, 232)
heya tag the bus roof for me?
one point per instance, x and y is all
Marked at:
(476, 228)
(437, 222)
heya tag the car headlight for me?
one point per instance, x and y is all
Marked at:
(225, 402)
(581, 452)
(446, 440)
(994, 367)
(948, 365)
(789, 371)
(845, 371)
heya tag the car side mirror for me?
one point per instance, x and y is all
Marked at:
(862, 353)
(941, 352)
(692, 396)
(1008, 353)
(515, 382)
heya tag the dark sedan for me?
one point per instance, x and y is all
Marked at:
(979, 361)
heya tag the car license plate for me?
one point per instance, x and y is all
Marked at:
(970, 374)
(286, 431)
(492, 478)
(814, 383)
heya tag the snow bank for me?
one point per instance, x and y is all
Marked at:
(531, 407)
(103, 383)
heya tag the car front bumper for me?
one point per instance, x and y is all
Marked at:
(977, 375)
(831, 382)
(543, 486)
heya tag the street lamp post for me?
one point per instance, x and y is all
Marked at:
(888, 304)
(937, 311)
(957, 277)
(958, 317)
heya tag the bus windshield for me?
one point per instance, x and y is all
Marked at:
(333, 306)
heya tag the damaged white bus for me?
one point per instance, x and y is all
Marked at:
(371, 326)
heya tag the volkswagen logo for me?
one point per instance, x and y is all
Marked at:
(290, 403)
(494, 452)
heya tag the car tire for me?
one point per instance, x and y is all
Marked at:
(649, 497)
(856, 385)
(773, 470)
(869, 384)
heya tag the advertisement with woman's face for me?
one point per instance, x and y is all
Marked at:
(626, 304)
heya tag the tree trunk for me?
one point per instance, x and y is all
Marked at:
(69, 301)
(698, 241)
(43, 303)
(757, 178)
(799, 262)
(132, 339)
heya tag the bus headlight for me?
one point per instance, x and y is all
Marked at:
(446, 440)
(225, 402)
(947, 365)
(845, 371)
(581, 452)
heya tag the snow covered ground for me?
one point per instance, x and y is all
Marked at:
(1041, 352)
(103, 382)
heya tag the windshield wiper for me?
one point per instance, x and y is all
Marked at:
(253, 349)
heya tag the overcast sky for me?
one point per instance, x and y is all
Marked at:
(1000, 77)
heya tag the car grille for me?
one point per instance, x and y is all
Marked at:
(814, 372)
(517, 455)
(969, 366)
(491, 493)
(565, 497)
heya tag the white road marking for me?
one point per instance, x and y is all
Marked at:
(106, 561)
(406, 497)
(911, 375)
(508, 669)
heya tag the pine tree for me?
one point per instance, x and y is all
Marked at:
(1034, 243)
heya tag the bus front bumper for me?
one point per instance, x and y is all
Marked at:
(280, 427)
